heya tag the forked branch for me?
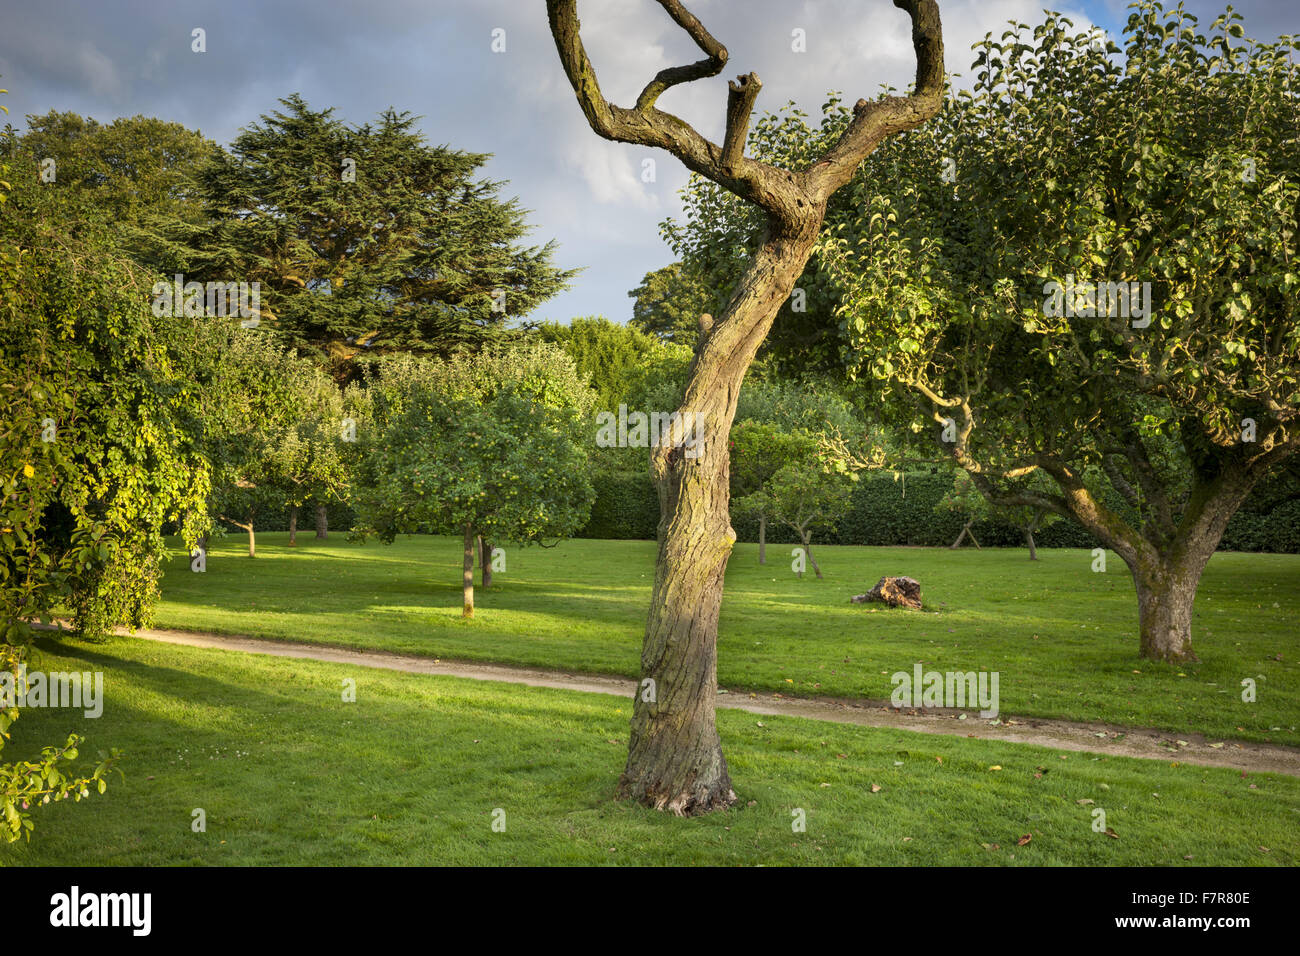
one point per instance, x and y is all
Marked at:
(784, 194)
(872, 122)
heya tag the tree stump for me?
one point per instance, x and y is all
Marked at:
(896, 592)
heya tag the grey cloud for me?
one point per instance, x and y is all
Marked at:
(433, 58)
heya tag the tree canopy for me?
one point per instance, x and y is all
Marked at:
(1085, 269)
(365, 238)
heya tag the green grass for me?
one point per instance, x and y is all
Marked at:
(411, 773)
(1062, 638)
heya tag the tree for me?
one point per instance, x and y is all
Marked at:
(491, 444)
(136, 172)
(1085, 271)
(97, 459)
(93, 460)
(964, 499)
(365, 238)
(609, 355)
(675, 759)
(803, 496)
(305, 458)
(758, 451)
(248, 405)
(669, 302)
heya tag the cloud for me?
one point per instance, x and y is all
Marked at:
(433, 57)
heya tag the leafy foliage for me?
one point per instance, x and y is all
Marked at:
(136, 173)
(669, 301)
(497, 441)
(614, 358)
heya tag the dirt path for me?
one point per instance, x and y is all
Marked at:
(1103, 739)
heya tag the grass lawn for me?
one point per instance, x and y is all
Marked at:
(412, 771)
(1062, 638)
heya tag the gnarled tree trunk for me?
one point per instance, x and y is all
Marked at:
(1165, 598)
(675, 757)
(1166, 579)
(322, 523)
(1166, 557)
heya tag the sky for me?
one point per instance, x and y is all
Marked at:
(484, 76)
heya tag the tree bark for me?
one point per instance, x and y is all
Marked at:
(293, 526)
(485, 561)
(1166, 595)
(467, 579)
(762, 539)
(322, 522)
(675, 760)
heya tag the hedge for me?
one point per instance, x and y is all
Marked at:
(882, 512)
(885, 512)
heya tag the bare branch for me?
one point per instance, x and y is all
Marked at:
(788, 197)
(772, 189)
(717, 57)
(872, 122)
(741, 93)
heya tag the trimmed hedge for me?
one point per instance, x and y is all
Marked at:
(882, 512)
(885, 512)
(626, 506)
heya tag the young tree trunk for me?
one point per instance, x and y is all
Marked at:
(964, 531)
(293, 526)
(675, 760)
(485, 561)
(322, 522)
(467, 579)
(807, 550)
(252, 540)
(1034, 523)
(762, 539)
